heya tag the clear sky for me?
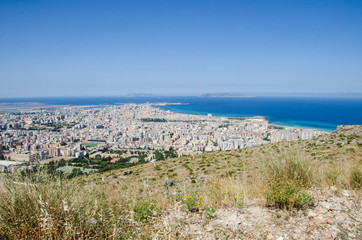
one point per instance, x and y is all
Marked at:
(112, 48)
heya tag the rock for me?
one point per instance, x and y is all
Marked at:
(311, 214)
(326, 207)
(92, 221)
(269, 237)
(233, 219)
(330, 221)
(320, 221)
(351, 235)
(324, 211)
(311, 225)
(346, 194)
(340, 217)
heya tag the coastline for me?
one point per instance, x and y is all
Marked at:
(308, 113)
(275, 123)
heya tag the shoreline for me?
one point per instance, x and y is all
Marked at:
(279, 124)
(28, 106)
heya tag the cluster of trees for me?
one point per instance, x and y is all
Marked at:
(275, 127)
(226, 125)
(104, 164)
(141, 153)
(100, 164)
(153, 120)
(2, 148)
(120, 152)
(58, 126)
(170, 154)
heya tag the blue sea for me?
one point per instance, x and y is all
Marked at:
(319, 113)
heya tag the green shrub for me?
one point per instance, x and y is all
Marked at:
(144, 210)
(333, 175)
(209, 211)
(191, 202)
(239, 204)
(287, 194)
(356, 178)
(350, 150)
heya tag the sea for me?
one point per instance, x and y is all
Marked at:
(306, 112)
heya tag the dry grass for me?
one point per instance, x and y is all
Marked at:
(58, 210)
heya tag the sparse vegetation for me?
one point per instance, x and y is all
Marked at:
(144, 210)
(288, 194)
(356, 178)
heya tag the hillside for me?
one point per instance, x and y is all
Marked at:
(289, 190)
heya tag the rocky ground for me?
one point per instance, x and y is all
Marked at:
(335, 215)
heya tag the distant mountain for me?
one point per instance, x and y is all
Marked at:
(235, 95)
(143, 95)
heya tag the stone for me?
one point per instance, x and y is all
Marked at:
(334, 188)
(351, 235)
(311, 214)
(345, 193)
(269, 237)
(320, 221)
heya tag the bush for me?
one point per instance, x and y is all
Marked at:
(333, 175)
(287, 194)
(144, 210)
(192, 202)
(209, 212)
(291, 167)
(356, 178)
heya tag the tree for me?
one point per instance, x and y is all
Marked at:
(159, 156)
(61, 163)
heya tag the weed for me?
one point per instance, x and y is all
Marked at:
(356, 178)
(332, 175)
(287, 194)
(144, 210)
(191, 202)
(158, 168)
(209, 211)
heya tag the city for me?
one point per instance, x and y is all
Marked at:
(82, 131)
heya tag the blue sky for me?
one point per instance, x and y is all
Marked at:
(112, 48)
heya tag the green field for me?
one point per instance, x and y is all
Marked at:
(90, 144)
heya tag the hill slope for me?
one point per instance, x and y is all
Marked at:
(294, 190)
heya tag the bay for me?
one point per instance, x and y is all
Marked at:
(308, 112)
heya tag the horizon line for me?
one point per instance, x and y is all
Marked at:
(249, 94)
